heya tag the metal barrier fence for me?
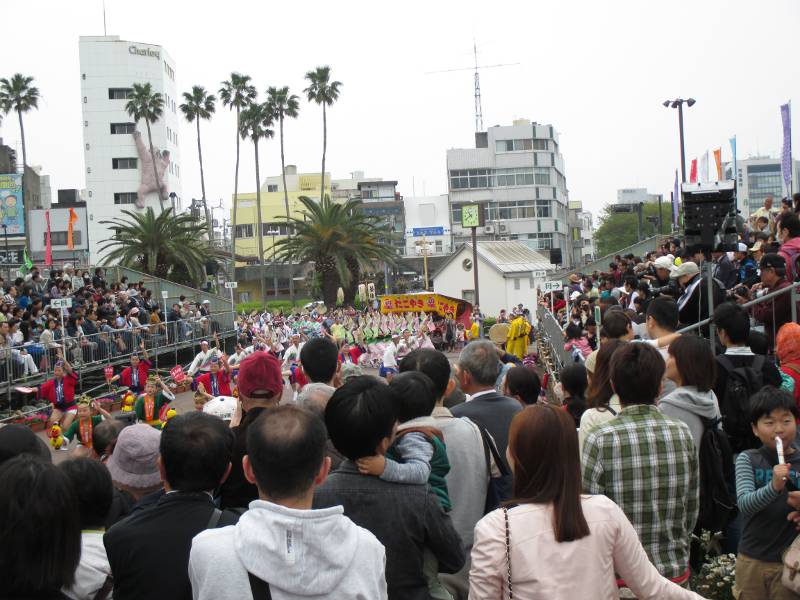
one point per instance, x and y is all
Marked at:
(90, 353)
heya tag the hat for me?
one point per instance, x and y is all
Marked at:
(591, 361)
(575, 278)
(260, 376)
(773, 261)
(574, 295)
(741, 247)
(222, 406)
(18, 439)
(757, 246)
(206, 301)
(663, 262)
(686, 268)
(134, 462)
(349, 370)
(204, 342)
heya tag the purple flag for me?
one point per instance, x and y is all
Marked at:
(786, 164)
(675, 200)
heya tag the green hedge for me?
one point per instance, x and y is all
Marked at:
(285, 305)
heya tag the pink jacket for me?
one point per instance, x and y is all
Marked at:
(582, 344)
(543, 569)
(789, 251)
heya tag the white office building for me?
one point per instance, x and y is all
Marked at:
(517, 173)
(117, 168)
(428, 224)
(758, 177)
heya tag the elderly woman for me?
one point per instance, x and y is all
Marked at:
(787, 348)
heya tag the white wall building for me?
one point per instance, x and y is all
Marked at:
(757, 178)
(517, 171)
(508, 274)
(428, 219)
(108, 69)
(636, 195)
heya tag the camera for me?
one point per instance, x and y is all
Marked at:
(671, 289)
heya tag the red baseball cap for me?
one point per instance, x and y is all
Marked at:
(260, 376)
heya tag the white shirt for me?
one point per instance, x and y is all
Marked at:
(390, 356)
(292, 355)
(92, 569)
(202, 361)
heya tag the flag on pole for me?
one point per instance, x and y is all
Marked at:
(72, 219)
(786, 162)
(693, 172)
(27, 263)
(703, 167)
(735, 174)
(718, 162)
(676, 194)
(48, 247)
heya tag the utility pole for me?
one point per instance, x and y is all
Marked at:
(423, 245)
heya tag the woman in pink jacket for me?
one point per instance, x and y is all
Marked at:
(553, 542)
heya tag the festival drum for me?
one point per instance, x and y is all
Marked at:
(498, 333)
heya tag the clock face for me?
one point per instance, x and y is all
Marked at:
(470, 215)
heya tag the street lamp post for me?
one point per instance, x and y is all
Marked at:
(678, 103)
(273, 233)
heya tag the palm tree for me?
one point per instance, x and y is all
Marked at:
(255, 123)
(18, 94)
(146, 104)
(161, 245)
(325, 92)
(284, 105)
(199, 104)
(333, 236)
(237, 93)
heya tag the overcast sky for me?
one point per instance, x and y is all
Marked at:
(597, 71)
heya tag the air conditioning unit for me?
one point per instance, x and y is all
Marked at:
(503, 228)
(488, 229)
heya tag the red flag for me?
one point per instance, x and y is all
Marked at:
(48, 248)
(693, 172)
(72, 219)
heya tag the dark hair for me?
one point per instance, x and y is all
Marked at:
(286, 447)
(734, 320)
(365, 405)
(770, 398)
(414, 395)
(431, 362)
(574, 382)
(93, 488)
(196, 450)
(790, 222)
(631, 281)
(319, 358)
(573, 331)
(523, 382)
(600, 390)
(39, 526)
(695, 361)
(104, 436)
(536, 433)
(758, 343)
(615, 324)
(636, 374)
(664, 311)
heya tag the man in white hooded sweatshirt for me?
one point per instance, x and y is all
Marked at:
(281, 548)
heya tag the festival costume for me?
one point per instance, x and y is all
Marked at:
(148, 408)
(84, 429)
(216, 385)
(136, 378)
(517, 340)
(61, 394)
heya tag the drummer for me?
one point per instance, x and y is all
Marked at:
(217, 382)
(60, 392)
(135, 376)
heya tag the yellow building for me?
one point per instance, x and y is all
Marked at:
(273, 210)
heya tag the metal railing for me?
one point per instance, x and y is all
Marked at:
(91, 353)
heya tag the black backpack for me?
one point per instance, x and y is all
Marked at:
(742, 383)
(717, 479)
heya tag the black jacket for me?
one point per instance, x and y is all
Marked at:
(694, 308)
(237, 492)
(149, 550)
(405, 518)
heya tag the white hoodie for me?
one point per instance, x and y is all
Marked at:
(300, 553)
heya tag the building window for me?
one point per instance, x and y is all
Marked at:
(541, 241)
(542, 175)
(120, 128)
(86, 123)
(272, 187)
(125, 198)
(508, 177)
(511, 210)
(119, 93)
(543, 208)
(244, 231)
(516, 283)
(123, 163)
(438, 246)
(513, 145)
(83, 76)
(87, 146)
(85, 100)
(541, 145)
(59, 238)
(268, 228)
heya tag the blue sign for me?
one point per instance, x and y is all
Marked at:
(424, 231)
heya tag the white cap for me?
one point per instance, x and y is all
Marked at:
(223, 407)
(574, 295)
(741, 247)
(206, 301)
(663, 262)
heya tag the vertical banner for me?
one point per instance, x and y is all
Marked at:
(12, 211)
(676, 195)
(733, 150)
(703, 167)
(72, 219)
(48, 247)
(718, 162)
(786, 162)
(693, 172)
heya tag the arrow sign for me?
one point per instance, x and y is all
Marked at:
(61, 303)
(539, 274)
(231, 285)
(552, 286)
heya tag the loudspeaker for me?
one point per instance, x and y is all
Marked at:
(555, 256)
(709, 214)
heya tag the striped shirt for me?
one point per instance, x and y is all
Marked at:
(647, 464)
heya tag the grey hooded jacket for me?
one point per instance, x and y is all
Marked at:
(688, 404)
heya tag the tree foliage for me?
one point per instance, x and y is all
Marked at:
(619, 230)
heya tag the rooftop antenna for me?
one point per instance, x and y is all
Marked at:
(476, 69)
(105, 32)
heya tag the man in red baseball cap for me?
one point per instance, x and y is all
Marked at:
(260, 386)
